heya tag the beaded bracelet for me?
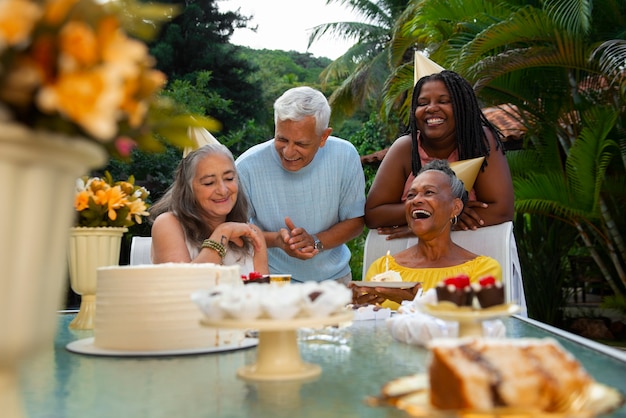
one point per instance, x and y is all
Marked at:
(215, 246)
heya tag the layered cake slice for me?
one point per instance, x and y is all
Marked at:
(482, 374)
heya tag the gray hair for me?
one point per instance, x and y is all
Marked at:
(180, 199)
(299, 102)
(456, 184)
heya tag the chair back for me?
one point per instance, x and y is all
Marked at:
(140, 250)
(496, 241)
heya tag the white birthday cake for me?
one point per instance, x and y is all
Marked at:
(149, 307)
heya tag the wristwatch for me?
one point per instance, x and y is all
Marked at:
(317, 244)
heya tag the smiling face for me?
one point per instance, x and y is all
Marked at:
(434, 114)
(296, 142)
(430, 205)
(215, 187)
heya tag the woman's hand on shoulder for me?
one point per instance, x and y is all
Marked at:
(395, 232)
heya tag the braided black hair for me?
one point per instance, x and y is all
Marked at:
(469, 119)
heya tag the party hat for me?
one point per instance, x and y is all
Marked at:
(467, 170)
(424, 66)
(200, 136)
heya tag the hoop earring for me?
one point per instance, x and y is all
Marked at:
(454, 220)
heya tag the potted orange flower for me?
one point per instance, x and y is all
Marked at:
(105, 209)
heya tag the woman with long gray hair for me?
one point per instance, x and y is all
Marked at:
(202, 216)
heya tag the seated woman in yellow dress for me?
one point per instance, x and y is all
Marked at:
(434, 201)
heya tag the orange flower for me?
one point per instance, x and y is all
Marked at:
(17, 20)
(78, 47)
(81, 202)
(103, 202)
(138, 209)
(91, 98)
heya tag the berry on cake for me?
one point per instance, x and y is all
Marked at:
(456, 290)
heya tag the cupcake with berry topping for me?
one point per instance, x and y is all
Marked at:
(489, 292)
(456, 290)
(255, 277)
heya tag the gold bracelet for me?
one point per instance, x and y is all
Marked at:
(215, 246)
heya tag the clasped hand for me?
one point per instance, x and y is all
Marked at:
(297, 242)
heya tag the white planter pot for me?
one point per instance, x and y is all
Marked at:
(38, 171)
(90, 248)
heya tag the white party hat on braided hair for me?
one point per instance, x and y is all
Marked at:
(424, 66)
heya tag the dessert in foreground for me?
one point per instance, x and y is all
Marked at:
(148, 307)
(273, 301)
(485, 374)
(489, 292)
(500, 377)
(485, 293)
(456, 290)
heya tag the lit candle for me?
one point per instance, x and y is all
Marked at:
(387, 261)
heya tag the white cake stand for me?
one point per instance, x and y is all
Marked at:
(470, 320)
(278, 355)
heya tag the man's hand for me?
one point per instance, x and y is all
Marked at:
(297, 242)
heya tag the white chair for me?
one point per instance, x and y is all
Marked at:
(140, 250)
(496, 241)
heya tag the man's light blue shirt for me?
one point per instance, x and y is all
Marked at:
(330, 189)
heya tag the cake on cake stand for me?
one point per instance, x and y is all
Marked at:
(278, 355)
(470, 320)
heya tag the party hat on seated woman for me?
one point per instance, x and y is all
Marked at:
(200, 136)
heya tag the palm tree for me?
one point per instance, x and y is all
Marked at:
(360, 72)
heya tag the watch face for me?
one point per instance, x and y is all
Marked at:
(318, 245)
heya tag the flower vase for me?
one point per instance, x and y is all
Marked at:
(38, 171)
(90, 248)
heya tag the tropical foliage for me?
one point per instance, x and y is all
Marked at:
(361, 72)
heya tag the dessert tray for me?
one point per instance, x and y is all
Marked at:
(86, 346)
(599, 399)
(278, 355)
(390, 285)
(469, 319)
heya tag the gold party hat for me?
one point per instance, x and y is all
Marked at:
(467, 170)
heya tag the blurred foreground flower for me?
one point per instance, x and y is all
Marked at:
(78, 67)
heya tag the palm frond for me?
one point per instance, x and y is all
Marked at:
(571, 15)
(611, 56)
(548, 194)
(590, 156)
(395, 98)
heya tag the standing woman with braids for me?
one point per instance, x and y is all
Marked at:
(202, 216)
(446, 122)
